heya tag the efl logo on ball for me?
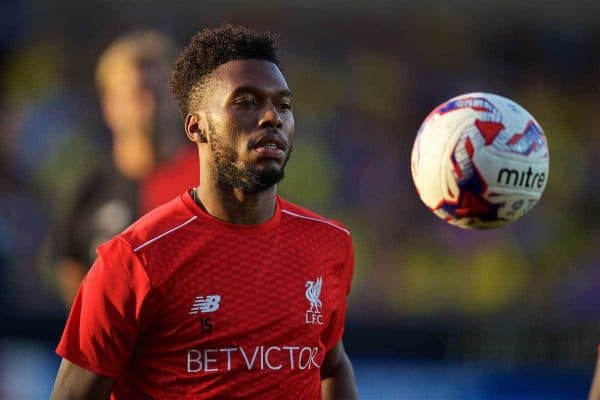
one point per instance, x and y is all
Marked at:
(480, 161)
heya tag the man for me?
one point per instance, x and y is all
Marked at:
(131, 79)
(229, 291)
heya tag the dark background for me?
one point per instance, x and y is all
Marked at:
(436, 312)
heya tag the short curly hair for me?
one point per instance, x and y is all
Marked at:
(211, 48)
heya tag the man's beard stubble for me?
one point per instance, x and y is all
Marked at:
(246, 178)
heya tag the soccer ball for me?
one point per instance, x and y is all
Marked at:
(480, 161)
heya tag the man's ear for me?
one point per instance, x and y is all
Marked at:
(196, 127)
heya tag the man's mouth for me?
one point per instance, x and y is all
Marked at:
(271, 146)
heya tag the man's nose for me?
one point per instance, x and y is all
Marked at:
(270, 117)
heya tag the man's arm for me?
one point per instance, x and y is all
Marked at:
(69, 274)
(337, 376)
(76, 383)
(595, 389)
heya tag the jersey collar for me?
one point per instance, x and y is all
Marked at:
(204, 216)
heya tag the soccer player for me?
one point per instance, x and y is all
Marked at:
(228, 291)
(131, 78)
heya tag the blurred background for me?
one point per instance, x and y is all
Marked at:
(436, 312)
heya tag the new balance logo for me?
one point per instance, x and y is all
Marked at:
(206, 304)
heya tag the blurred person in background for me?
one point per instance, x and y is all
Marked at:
(217, 294)
(148, 166)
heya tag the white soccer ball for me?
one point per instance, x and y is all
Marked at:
(480, 161)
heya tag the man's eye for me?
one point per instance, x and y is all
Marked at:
(285, 105)
(246, 102)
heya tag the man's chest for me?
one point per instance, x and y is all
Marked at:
(251, 311)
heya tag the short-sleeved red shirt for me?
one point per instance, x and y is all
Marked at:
(184, 306)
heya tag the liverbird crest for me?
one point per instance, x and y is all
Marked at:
(313, 292)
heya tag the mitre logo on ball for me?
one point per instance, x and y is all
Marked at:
(480, 161)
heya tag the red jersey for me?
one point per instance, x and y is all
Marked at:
(182, 305)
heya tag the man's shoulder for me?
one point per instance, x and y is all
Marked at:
(157, 224)
(294, 211)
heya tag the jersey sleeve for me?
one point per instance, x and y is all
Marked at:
(333, 334)
(105, 319)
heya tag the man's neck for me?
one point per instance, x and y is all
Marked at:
(237, 207)
(134, 156)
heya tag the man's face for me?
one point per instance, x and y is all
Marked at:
(134, 97)
(250, 124)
